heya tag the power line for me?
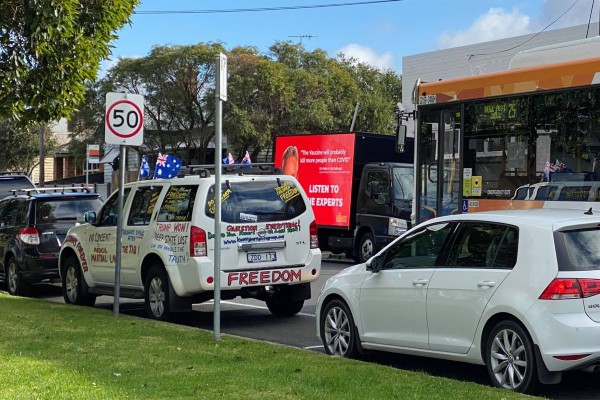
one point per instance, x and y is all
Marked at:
(286, 8)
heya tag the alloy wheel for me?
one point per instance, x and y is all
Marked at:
(508, 358)
(338, 331)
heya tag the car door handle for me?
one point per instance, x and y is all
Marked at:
(420, 282)
(486, 284)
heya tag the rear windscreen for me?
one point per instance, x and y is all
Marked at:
(578, 250)
(257, 201)
(64, 209)
(14, 183)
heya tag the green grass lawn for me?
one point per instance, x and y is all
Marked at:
(55, 351)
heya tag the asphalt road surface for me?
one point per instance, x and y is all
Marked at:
(251, 319)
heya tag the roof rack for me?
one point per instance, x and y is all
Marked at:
(9, 173)
(205, 170)
(58, 189)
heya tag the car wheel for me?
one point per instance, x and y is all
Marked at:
(156, 294)
(338, 331)
(14, 283)
(75, 289)
(366, 247)
(510, 358)
(283, 307)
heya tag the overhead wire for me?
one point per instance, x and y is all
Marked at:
(528, 40)
(259, 9)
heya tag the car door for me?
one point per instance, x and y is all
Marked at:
(393, 300)
(101, 241)
(3, 235)
(134, 239)
(480, 258)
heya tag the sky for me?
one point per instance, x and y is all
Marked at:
(379, 33)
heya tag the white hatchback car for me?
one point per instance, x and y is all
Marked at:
(518, 291)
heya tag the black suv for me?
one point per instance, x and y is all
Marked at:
(33, 226)
(14, 181)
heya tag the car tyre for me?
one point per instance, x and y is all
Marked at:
(15, 284)
(281, 306)
(510, 357)
(338, 332)
(156, 294)
(75, 289)
(366, 247)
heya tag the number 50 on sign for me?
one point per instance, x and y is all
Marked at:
(124, 119)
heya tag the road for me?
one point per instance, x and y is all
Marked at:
(251, 319)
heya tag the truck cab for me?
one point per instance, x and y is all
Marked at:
(384, 205)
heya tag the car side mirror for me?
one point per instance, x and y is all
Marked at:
(373, 189)
(374, 264)
(400, 138)
(89, 216)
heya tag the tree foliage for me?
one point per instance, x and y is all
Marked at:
(49, 49)
(21, 147)
(288, 90)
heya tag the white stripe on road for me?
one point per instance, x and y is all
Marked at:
(232, 303)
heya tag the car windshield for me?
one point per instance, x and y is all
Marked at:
(403, 183)
(579, 250)
(64, 209)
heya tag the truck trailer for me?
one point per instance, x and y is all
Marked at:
(360, 186)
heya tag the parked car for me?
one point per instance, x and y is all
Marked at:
(269, 244)
(518, 291)
(14, 181)
(33, 226)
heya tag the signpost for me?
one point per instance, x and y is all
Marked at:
(93, 157)
(124, 125)
(220, 96)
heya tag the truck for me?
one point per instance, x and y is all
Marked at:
(360, 186)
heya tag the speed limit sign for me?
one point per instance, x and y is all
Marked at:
(124, 119)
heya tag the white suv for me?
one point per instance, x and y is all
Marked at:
(269, 245)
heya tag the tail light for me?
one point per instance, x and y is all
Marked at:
(571, 288)
(314, 237)
(29, 236)
(197, 242)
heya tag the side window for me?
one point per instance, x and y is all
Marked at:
(15, 213)
(3, 205)
(484, 245)
(142, 205)
(419, 250)
(108, 214)
(378, 182)
(178, 204)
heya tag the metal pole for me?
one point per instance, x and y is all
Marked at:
(220, 84)
(117, 289)
(354, 117)
(42, 179)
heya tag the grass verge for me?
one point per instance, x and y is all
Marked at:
(56, 351)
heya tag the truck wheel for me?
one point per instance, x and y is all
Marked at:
(366, 247)
(75, 289)
(282, 307)
(156, 294)
(14, 282)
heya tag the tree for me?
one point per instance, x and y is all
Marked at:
(289, 90)
(24, 147)
(49, 49)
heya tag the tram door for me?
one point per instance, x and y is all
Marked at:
(439, 164)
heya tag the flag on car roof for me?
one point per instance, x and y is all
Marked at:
(166, 166)
(144, 168)
(229, 159)
(246, 159)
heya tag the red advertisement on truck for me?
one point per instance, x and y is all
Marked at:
(323, 164)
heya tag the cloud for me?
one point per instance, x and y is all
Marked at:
(493, 25)
(577, 13)
(367, 55)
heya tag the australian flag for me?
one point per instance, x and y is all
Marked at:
(144, 168)
(229, 159)
(166, 166)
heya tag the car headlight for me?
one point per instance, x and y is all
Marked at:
(397, 226)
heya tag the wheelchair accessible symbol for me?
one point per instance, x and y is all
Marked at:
(465, 206)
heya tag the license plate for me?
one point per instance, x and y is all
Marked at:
(261, 257)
